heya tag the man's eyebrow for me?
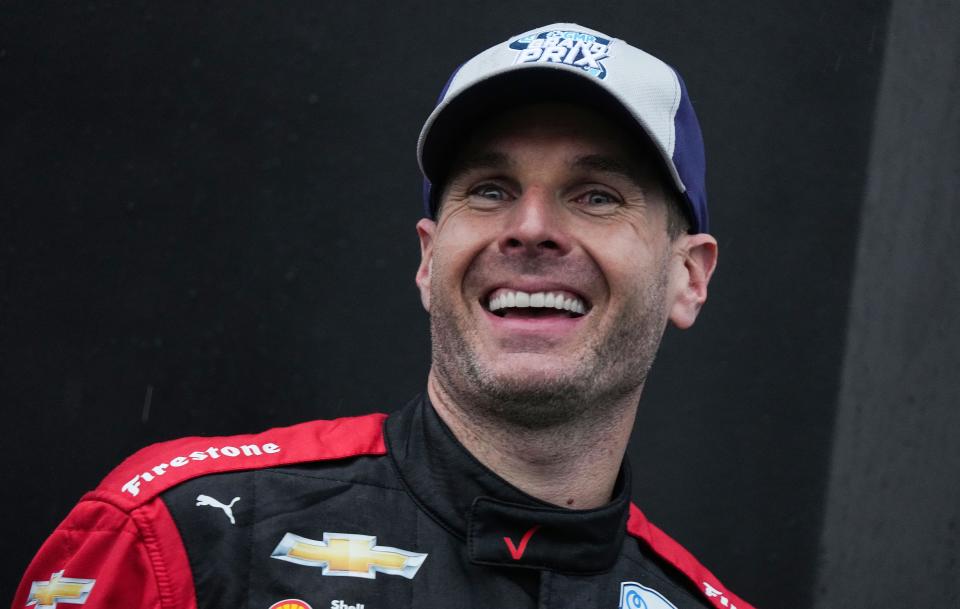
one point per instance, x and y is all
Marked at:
(608, 164)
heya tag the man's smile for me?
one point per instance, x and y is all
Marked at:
(506, 302)
(545, 310)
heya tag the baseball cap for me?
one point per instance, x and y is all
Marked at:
(571, 63)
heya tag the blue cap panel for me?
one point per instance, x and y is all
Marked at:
(689, 159)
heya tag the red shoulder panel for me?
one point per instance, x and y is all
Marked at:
(101, 558)
(171, 567)
(675, 554)
(159, 467)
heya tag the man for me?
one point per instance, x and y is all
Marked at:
(566, 226)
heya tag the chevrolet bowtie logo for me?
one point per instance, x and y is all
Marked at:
(46, 595)
(349, 555)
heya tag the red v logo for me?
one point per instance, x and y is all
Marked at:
(516, 552)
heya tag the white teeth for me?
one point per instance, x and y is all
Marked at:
(550, 300)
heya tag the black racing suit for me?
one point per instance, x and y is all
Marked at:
(410, 520)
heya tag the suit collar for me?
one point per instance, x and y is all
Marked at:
(501, 524)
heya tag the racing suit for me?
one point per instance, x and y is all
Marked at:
(356, 513)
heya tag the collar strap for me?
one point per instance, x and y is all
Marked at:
(511, 535)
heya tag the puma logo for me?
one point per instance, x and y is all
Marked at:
(227, 509)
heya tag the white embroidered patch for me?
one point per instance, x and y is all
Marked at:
(638, 596)
(577, 49)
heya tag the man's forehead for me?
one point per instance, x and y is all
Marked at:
(578, 137)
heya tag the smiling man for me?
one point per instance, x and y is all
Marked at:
(566, 227)
(550, 273)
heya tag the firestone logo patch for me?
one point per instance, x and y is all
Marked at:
(570, 47)
(247, 450)
(713, 593)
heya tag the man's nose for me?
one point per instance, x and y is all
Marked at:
(535, 227)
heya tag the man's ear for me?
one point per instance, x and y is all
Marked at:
(425, 230)
(695, 258)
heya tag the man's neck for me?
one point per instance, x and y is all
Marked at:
(573, 465)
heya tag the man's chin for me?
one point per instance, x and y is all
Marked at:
(534, 370)
(531, 393)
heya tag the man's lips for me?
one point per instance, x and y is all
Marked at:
(537, 311)
(532, 323)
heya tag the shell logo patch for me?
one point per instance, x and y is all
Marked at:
(291, 603)
(572, 48)
(638, 596)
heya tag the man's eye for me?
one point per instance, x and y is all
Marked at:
(598, 197)
(490, 192)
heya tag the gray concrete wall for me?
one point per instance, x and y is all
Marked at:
(891, 535)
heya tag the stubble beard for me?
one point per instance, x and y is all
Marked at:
(613, 367)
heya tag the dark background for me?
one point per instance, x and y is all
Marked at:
(207, 214)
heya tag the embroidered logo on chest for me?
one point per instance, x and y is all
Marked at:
(349, 555)
(638, 596)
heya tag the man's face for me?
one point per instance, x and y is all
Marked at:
(549, 275)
